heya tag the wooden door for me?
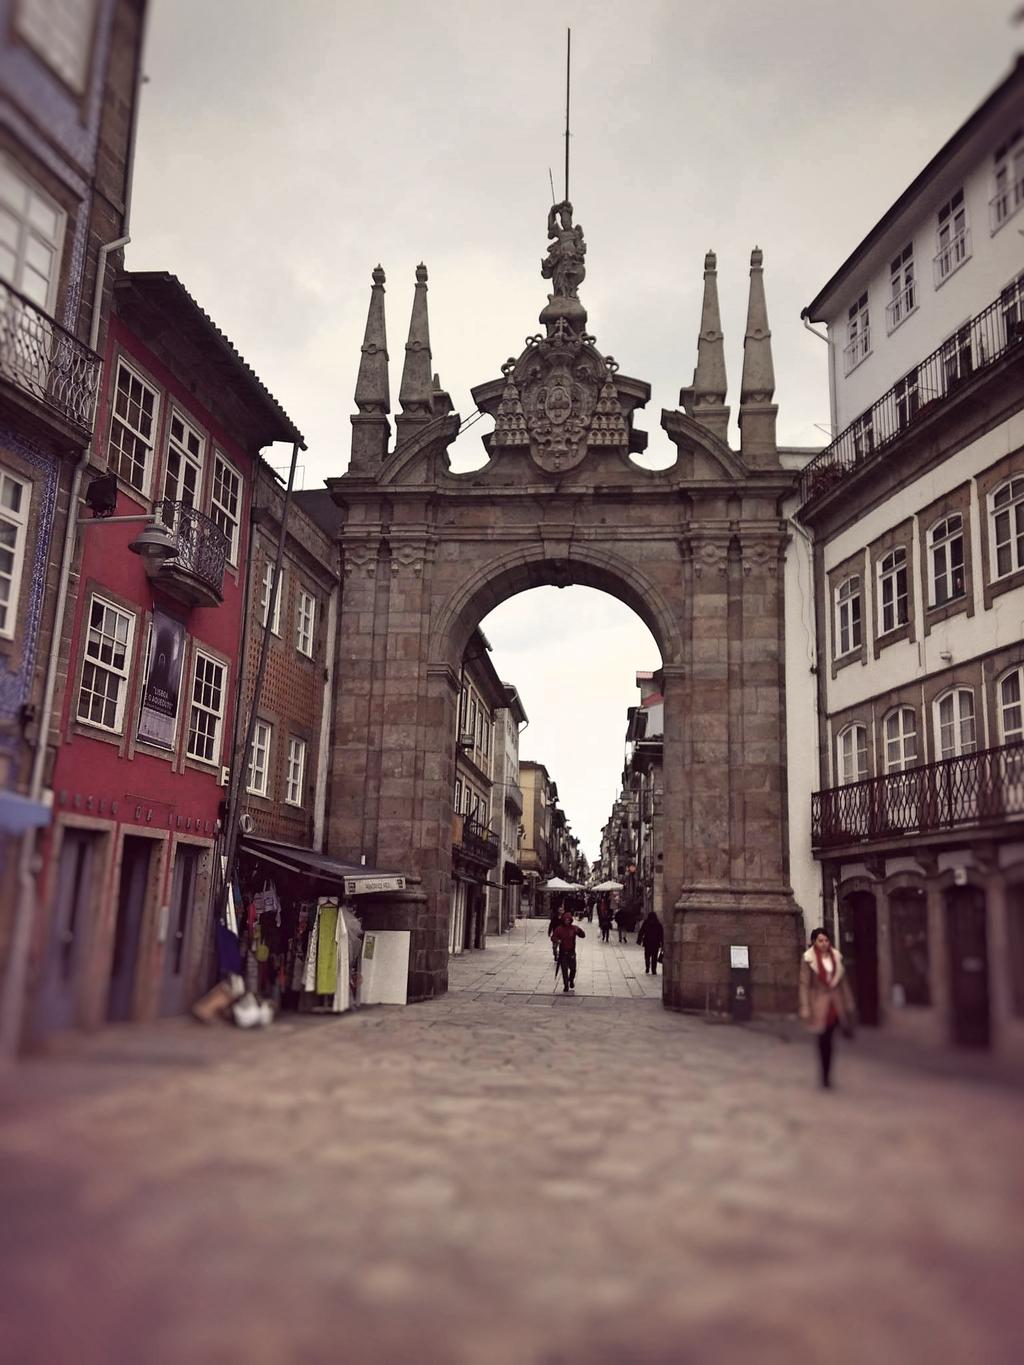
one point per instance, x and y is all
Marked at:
(968, 965)
(57, 999)
(858, 943)
(131, 905)
(176, 982)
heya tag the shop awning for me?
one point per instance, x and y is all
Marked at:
(353, 878)
(18, 813)
(513, 874)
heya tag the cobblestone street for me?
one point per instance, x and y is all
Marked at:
(505, 1175)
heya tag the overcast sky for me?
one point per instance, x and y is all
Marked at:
(285, 149)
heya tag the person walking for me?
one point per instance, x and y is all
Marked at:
(604, 919)
(826, 1001)
(652, 936)
(553, 923)
(564, 938)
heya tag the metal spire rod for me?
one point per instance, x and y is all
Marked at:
(568, 57)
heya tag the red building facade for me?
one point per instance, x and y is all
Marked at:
(153, 667)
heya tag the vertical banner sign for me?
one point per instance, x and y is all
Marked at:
(158, 718)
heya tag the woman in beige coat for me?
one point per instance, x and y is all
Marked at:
(826, 1001)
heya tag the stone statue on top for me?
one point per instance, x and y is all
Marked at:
(563, 265)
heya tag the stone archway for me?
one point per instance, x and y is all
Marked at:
(694, 549)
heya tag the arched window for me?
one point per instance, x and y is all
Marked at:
(1006, 517)
(852, 754)
(954, 723)
(1011, 716)
(848, 616)
(900, 739)
(946, 555)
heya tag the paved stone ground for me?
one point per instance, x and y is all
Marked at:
(483, 1181)
(521, 963)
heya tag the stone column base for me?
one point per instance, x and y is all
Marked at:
(706, 922)
(428, 940)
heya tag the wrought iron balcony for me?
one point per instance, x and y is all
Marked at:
(978, 344)
(475, 840)
(196, 573)
(46, 362)
(954, 793)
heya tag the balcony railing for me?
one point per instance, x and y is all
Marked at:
(953, 793)
(196, 573)
(45, 361)
(976, 345)
(475, 840)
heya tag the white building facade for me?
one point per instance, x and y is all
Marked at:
(916, 514)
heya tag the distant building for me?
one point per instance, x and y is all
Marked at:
(476, 846)
(645, 732)
(916, 510)
(538, 854)
(507, 811)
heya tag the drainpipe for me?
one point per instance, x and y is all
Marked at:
(320, 794)
(16, 973)
(823, 336)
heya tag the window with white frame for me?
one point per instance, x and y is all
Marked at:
(183, 473)
(305, 623)
(458, 796)
(900, 739)
(226, 502)
(206, 713)
(852, 751)
(862, 432)
(958, 357)
(1009, 179)
(1007, 522)
(848, 616)
(902, 288)
(907, 397)
(1011, 713)
(295, 774)
(31, 235)
(893, 589)
(258, 775)
(953, 238)
(133, 428)
(946, 553)
(954, 723)
(858, 333)
(60, 32)
(473, 714)
(268, 580)
(15, 498)
(1011, 306)
(106, 665)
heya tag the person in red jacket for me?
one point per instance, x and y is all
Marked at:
(563, 940)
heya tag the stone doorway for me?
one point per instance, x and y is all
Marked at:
(695, 550)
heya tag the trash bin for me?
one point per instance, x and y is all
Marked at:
(739, 993)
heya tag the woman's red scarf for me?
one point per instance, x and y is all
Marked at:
(825, 972)
(826, 975)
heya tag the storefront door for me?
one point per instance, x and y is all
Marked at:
(179, 930)
(69, 933)
(858, 943)
(131, 905)
(968, 964)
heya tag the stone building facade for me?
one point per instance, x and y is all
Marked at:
(695, 550)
